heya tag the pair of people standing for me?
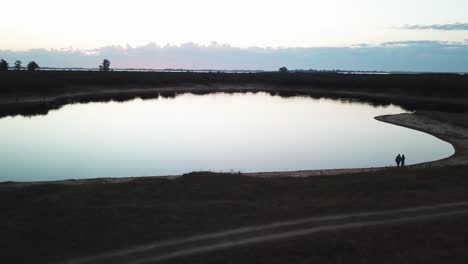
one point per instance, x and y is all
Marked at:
(400, 160)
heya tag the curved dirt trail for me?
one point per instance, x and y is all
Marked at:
(165, 250)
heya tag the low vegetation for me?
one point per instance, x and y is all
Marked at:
(55, 222)
(44, 82)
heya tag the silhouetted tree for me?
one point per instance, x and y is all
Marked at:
(105, 65)
(32, 66)
(3, 65)
(283, 69)
(18, 65)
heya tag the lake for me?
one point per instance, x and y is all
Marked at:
(216, 132)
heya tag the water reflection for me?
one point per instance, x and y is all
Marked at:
(44, 107)
(218, 132)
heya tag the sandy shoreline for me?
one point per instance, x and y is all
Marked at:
(455, 135)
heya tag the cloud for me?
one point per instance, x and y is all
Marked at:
(424, 43)
(432, 56)
(444, 27)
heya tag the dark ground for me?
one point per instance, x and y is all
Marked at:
(56, 222)
(429, 242)
(448, 85)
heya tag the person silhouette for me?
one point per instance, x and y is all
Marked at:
(398, 160)
(403, 160)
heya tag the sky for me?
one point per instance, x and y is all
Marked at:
(89, 25)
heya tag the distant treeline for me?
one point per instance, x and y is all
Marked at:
(47, 82)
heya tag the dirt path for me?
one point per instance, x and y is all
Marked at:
(165, 250)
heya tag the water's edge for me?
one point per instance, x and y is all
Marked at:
(407, 120)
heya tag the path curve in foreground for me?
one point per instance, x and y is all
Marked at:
(165, 250)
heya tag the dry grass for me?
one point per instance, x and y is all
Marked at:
(53, 222)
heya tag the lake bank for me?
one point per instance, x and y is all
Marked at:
(35, 104)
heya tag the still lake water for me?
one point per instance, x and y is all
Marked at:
(216, 132)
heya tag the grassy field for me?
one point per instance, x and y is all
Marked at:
(55, 222)
(431, 242)
(44, 82)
